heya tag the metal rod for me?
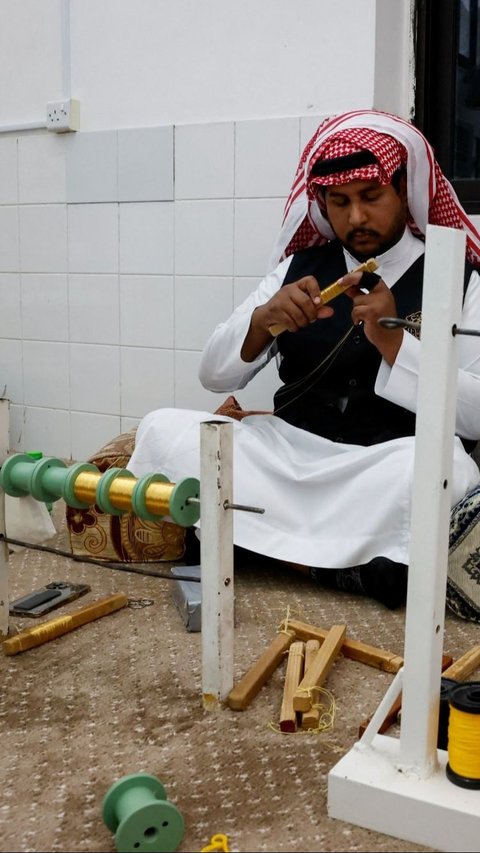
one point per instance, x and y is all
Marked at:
(228, 505)
(399, 323)
(457, 331)
(243, 507)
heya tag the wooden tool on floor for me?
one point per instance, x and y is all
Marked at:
(54, 628)
(293, 677)
(307, 691)
(242, 693)
(247, 688)
(460, 669)
(311, 718)
(330, 292)
(353, 649)
(465, 665)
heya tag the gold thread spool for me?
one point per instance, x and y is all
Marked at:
(463, 767)
(157, 495)
(85, 486)
(54, 628)
(330, 292)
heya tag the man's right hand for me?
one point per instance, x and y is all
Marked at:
(294, 306)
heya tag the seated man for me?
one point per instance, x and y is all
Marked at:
(333, 464)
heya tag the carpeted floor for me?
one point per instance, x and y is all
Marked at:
(122, 695)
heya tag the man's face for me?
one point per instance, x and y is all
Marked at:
(367, 218)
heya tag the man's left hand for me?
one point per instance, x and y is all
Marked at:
(368, 308)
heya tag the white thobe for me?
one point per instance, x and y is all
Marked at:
(326, 504)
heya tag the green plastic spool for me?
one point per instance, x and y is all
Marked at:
(46, 482)
(16, 474)
(139, 493)
(182, 512)
(102, 498)
(37, 454)
(136, 809)
(48, 479)
(71, 475)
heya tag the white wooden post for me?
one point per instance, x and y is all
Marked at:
(431, 496)
(4, 447)
(216, 548)
(398, 786)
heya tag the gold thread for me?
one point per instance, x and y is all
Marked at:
(463, 743)
(283, 627)
(326, 719)
(157, 494)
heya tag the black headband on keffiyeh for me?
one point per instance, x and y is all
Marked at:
(342, 163)
(355, 154)
(395, 143)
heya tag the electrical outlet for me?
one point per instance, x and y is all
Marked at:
(63, 116)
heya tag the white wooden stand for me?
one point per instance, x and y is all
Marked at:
(368, 789)
(4, 447)
(399, 786)
(216, 546)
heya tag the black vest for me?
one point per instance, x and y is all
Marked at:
(338, 400)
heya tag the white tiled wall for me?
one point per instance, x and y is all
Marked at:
(119, 253)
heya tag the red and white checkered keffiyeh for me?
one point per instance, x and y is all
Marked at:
(390, 153)
(394, 142)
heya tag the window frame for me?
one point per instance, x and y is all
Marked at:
(436, 37)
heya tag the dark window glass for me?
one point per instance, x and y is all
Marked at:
(466, 152)
(447, 106)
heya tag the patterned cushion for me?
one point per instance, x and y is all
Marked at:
(463, 582)
(122, 538)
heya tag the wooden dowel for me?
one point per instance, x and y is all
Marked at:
(465, 665)
(460, 669)
(306, 693)
(378, 658)
(392, 715)
(242, 693)
(54, 628)
(311, 718)
(293, 676)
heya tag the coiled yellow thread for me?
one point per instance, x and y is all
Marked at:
(463, 766)
(218, 842)
(464, 743)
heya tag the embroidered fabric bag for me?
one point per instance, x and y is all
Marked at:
(463, 581)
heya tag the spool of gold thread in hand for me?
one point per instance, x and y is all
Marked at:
(330, 292)
(54, 628)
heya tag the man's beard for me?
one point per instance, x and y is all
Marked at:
(382, 245)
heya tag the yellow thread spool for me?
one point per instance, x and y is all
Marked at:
(157, 497)
(463, 766)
